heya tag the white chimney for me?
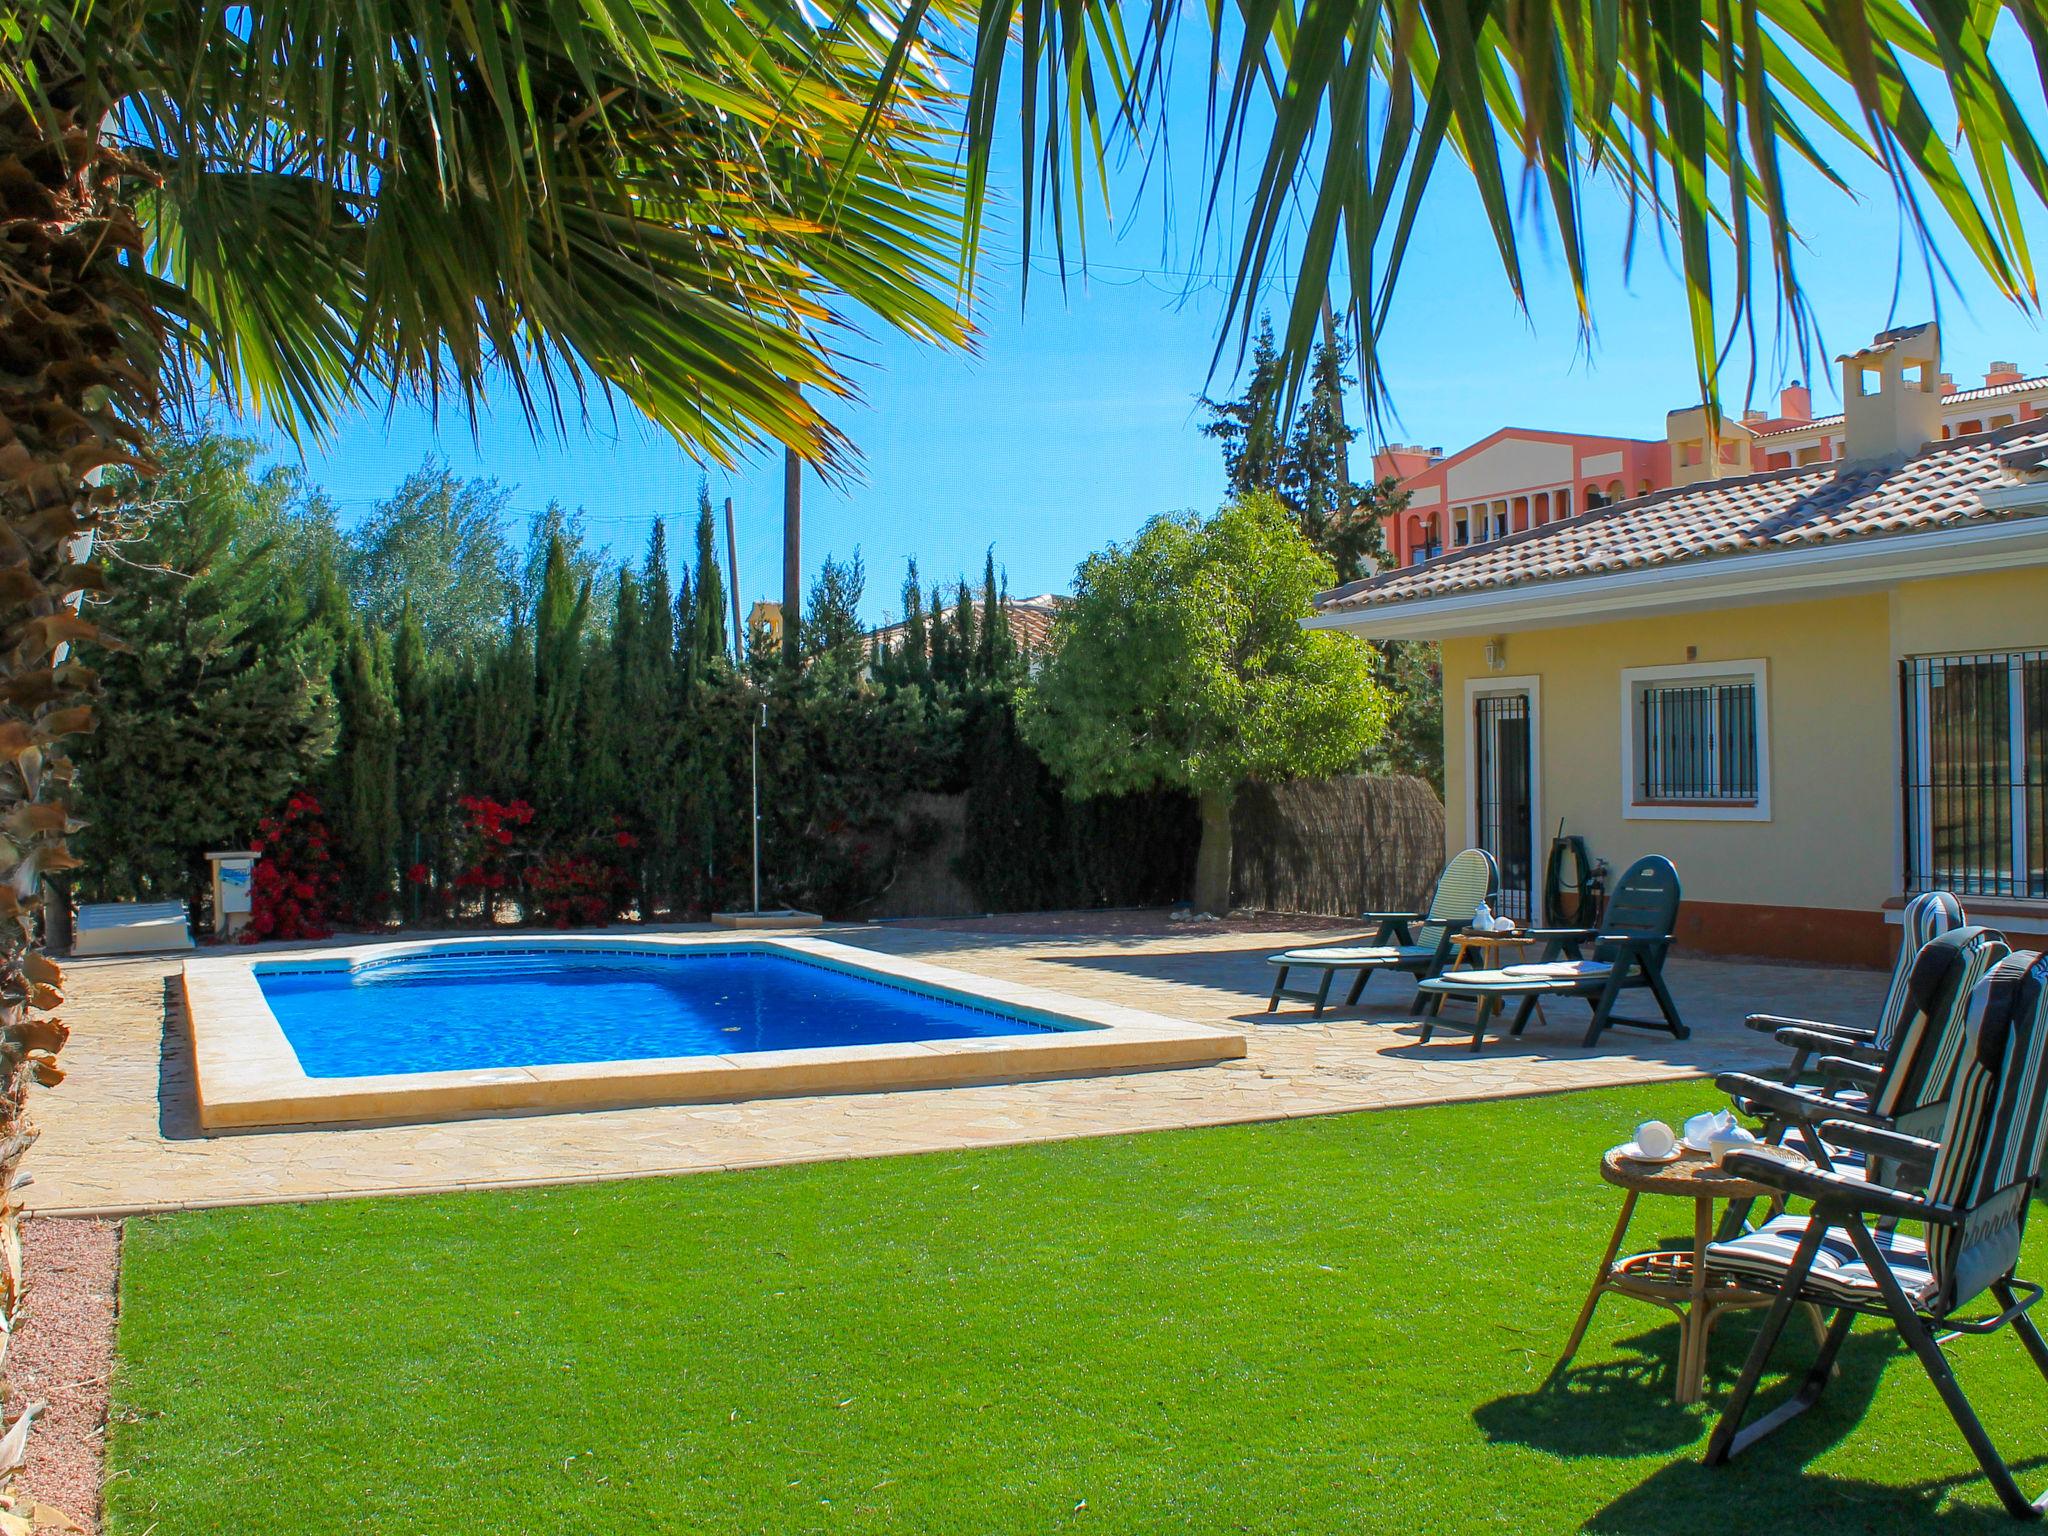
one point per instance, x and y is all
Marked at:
(1891, 394)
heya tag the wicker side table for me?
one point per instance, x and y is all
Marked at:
(1673, 1278)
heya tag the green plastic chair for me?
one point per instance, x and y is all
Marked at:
(1418, 944)
(1629, 949)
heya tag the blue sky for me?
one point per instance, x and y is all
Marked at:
(1077, 418)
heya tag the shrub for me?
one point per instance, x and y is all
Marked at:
(293, 888)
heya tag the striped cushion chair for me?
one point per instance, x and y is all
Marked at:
(1979, 1180)
(1909, 1089)
(1927, 916)
(1417, 943)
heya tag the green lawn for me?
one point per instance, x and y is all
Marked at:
(1340, 1324)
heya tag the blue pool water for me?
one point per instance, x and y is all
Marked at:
(539, 1007)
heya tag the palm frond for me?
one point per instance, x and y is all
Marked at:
(1689, 110)
(697, 205)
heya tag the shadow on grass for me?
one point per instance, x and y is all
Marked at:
(1770, 1484)
(1621, 1407)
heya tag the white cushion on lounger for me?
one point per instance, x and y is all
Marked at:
(1561, 970)
(1357, 954)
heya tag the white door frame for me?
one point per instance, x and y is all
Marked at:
(1530, 687)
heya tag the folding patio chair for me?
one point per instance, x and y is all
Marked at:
(1980, 1180)
(1417, 943)
(1628, 953)
(1908, 1089)
(1927, 916)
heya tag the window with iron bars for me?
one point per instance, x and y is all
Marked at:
(1696, 743)
(1976, 773)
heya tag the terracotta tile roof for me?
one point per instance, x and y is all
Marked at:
(1939, 486)
(1959, 397)
(1030, 622)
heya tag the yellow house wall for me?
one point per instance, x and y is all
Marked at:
(1832, 843)
(1997, 611)
(1830, 694)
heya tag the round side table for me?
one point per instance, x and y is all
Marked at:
(1674, 1278)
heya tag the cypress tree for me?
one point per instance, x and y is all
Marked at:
(601, 729)
(650, 708)
(1253, 436)
(993, 653)
(363, 807)
(916, 655)
(707, 633)
(501, 720)
(965, 648)
(558, 623)
(425, 790)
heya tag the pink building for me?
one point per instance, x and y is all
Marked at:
(1522, 477)
(1514, 479)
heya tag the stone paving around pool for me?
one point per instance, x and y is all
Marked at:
(120, 1134)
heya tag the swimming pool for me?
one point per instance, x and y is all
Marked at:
(433, 1029)
(460, 1008)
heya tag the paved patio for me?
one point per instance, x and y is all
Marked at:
(119, 1136)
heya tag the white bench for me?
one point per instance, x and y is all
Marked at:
(130, 928)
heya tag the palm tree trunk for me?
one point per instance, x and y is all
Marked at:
(80, 349)
(1212, 860)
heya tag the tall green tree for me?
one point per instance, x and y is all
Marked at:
(708, 648)
(436, 546)
(998, 648)
(500, 721)
(558, 526)
(1182, 663)
(219, 701)
(426, 785)
(1250, 428)
(651, 707)
(1303, 456)
(598, 768)
(834, 648)
(559, 618)
(361, 798)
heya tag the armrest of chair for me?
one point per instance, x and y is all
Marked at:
(1394, 927)
(1824, 1188)
(1914, 1151)
(1771, 1023)
(1814, 1040)
(1846, 1069)
(1558, 942)
(1643, 943)
(1768, 1097)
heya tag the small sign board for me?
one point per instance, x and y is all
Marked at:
(233, 887)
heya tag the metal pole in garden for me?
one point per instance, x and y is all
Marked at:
(760, 721)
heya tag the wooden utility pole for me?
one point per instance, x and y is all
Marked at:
(732, 562)
(792, 552)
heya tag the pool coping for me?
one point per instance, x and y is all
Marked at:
(247, 1076)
